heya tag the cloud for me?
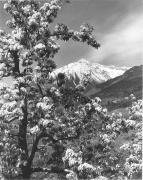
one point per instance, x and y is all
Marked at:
(123, 45)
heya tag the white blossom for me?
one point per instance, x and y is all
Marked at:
(125, 146)
(6, 96)
(72, 157)
(130, 122)
(36, 16)
(45, 107)
(20, 80)
(22, 1)
(39, 46)
(1, 74)
(26, 9)
(98, 108)
(97, 100)
(104, 110)
(100, 178)
(32, 21)
(7, 6)
(46, 99)
(23, 90)
(34, 130)
(84, 166)
(15, 46)
(106, 138)
(71, 176)
(2, 66)
(45, 122)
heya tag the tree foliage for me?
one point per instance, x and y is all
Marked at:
(45, 126)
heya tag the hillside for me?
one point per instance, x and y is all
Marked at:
(116, 89)
(124, 85)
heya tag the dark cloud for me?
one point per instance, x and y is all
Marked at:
(111, 19)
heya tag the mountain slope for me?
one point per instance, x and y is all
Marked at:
(122, 86)
(94, 72)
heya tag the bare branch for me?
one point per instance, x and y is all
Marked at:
(40, 89)
(52, 170)
(34, 148)
(11, 120)
(69, 138)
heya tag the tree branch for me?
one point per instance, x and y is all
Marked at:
(11, 120)
(42, 135)
(34, 148)
(40, 89)
(22, 139)
(69, 138)
(35, 144)
(52, 170)
(40, 169)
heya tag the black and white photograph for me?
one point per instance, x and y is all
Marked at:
(71, 103)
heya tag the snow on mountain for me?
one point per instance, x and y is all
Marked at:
(97, 73)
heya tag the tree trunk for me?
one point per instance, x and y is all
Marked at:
(22, 143)
(16, 68)
(26, 172)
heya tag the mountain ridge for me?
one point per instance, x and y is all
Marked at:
(94, 72)
(110, 83)
(121, 86)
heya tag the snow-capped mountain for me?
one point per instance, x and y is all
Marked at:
(96, 73)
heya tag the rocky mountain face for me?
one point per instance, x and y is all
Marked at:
(93, 72)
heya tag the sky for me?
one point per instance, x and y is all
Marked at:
(118, 28)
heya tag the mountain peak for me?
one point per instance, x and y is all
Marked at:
(83, 61)
(96, 73)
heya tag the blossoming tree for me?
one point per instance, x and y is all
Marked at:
(46, 126)
(35, 112)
